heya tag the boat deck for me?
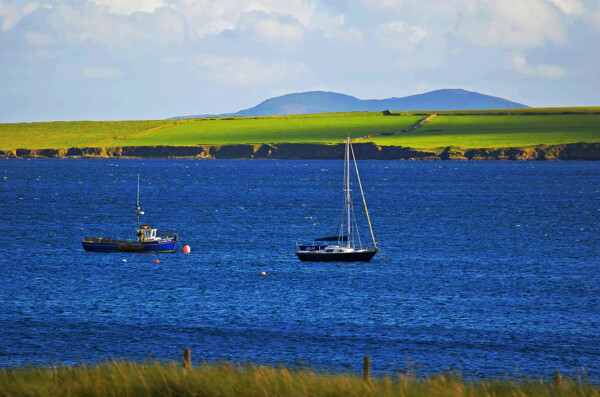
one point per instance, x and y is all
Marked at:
(102, 240)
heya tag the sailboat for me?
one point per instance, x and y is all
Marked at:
(147, 240)
(347, 246)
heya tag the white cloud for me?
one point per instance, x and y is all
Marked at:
(404, 45)
(273, 31)
(516, 23)
(385, 3)
(89, 24)
(101, 73)
(173, 59)
(30, 7)
(170, 26)
(569, 6)
(278, 29)
(38, 39)
(566, 6)
(128, 7)
(594, 18)
(486, 23)
(551, 72)
(281, 21)
(207, 17)
(13, 12)
(400, 36)
(121, 23)
(245, 71)
(270, 28)
(336, 29)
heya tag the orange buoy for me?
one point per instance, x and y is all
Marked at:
(156, 261)
(263, 274)
(186, 249)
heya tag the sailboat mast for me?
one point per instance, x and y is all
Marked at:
(347, 182)
(137, 206)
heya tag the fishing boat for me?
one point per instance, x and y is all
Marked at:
(347, 245)
(147, 239)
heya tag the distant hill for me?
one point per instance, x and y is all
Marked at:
(329, 102)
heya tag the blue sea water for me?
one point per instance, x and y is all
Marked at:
(492, 267)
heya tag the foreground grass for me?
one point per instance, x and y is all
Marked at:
(154, 379)
(491, 131)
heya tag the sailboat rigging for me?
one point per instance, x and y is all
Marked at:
(343, 248)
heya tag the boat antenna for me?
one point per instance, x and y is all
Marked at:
(363, 195)
(137, 206)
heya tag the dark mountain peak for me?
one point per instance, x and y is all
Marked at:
(305, 97)
(330, 102)
(311, 94)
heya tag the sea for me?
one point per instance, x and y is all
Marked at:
(487, 269)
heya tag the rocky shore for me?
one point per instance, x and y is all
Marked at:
(363, 151)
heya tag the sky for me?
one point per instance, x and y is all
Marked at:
(155, 59)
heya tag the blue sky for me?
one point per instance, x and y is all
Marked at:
(153, 59)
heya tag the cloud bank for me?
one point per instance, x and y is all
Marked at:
(159, 58)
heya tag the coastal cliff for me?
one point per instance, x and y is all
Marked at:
(363, 151)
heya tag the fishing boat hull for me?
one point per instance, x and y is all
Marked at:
(320, 256)
(97, 244)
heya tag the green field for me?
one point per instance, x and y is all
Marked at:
(65, 134)
(500, 112)
(321, 128)
(325, 128)
(472, 129)
(490, 131)
(153, 379)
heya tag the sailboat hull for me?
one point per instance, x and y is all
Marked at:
(319, 256)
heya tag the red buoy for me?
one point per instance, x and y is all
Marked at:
(186, 249)
(156, 261)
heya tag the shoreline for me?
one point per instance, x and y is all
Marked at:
(313, 151)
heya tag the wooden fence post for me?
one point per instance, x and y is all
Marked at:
(367, 367)
(187, 358)
(558, 378)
